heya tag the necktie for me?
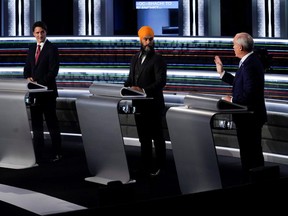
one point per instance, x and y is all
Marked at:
(37, 53)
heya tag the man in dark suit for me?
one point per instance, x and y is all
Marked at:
(148, 74)
(43, 69)
(248, 90)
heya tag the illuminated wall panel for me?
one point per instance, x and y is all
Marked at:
(193, 17)
(186, 18)
(268, 18)
(89, 17)
(190, 61)
(18, 17)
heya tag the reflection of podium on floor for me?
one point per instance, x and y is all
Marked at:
(101, 133)
(192, 141)
(16, 146)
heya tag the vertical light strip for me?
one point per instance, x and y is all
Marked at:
(194, 24)
(26, 27)
(269, 19)
(277, 28)
(261, 18)
(19, 18)
(11, 18)
(201, 25)
(97, 17)
(89, 18)
(186, 18)
(81, 17)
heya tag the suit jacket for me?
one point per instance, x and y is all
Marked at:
(248, 87)
(47, 67)
(152, 78)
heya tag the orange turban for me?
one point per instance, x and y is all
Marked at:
(145, 31)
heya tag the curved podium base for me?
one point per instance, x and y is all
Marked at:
(193, 149)
(16, 145)
(102, 139)
(193, 142)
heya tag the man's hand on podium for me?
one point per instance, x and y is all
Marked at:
(30, 79)
(227, 98)
(136, 88)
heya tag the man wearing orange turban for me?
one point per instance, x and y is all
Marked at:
(147, 74)
(145, 31)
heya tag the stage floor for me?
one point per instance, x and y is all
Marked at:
(64, 181)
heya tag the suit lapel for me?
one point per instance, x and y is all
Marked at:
(34, 53)
(238, 73)
(141, 67)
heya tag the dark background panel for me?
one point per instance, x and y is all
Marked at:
(236, 16)
(125, 17)
(58, 15)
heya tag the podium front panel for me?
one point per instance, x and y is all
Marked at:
(193, 149)
(102, 138)
(16, 145)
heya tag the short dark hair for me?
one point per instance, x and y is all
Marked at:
(39, 24)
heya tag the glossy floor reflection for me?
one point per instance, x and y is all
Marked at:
(65, 180)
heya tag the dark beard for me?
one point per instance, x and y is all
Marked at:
(149, 49)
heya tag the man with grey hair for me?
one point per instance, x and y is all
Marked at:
(248, 90)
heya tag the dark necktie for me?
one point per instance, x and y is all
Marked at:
(37, 53)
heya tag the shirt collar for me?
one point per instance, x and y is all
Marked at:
(42, 43)
(245, 57)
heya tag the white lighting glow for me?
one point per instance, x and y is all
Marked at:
(201, 23)
(261, 6)
(277, 28)
(11, 18)
(261, 18)
(97, 17)
(81, 17)
(20, 18)
(89, 18)
(26, 26)
(194, 12)
(186, 17)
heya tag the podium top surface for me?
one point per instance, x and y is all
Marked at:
(13, 85)
(105, 89)
(211, 102)
(114, 90)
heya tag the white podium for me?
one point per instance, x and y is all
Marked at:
(102, 135)
(16, 145)
(192, 141)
